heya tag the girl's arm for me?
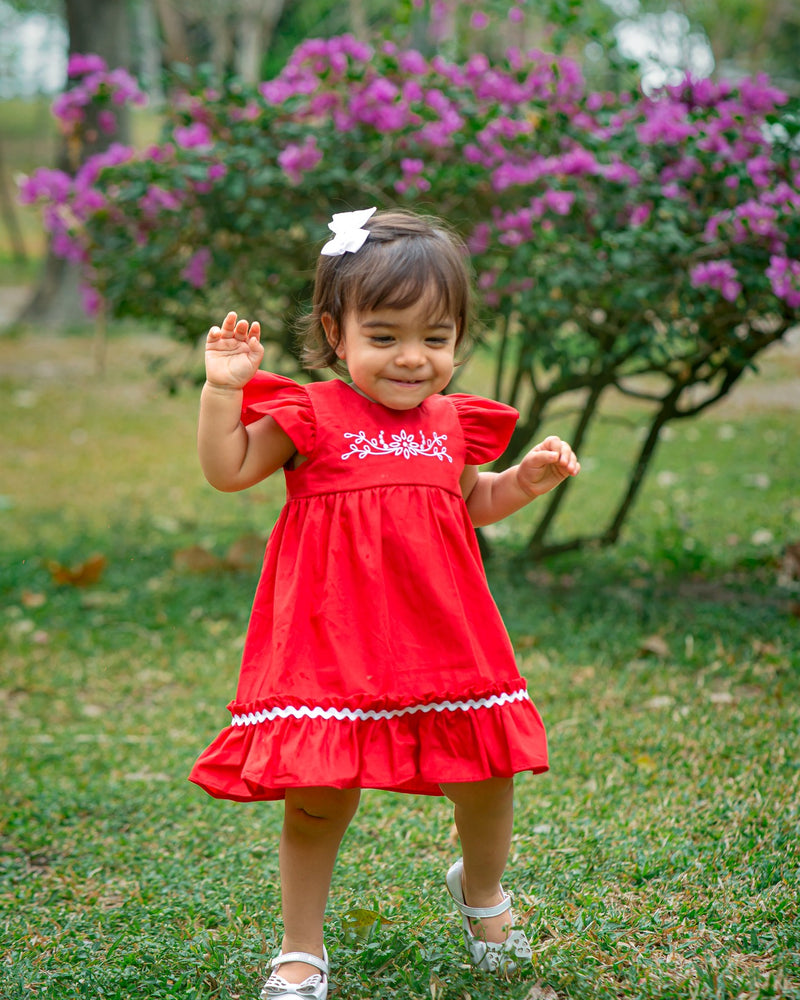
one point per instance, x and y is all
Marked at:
(233, 456)
(491, 496)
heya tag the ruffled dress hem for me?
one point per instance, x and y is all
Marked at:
(402, 748)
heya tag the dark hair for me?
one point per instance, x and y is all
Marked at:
(403, 258)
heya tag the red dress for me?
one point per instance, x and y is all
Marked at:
(375, 655)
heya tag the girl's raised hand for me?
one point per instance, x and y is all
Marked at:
(233, 353)
(546, 465)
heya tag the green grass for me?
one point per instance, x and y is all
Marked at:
(658, 858)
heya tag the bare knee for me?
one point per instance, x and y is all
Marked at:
(489, 794)
(314, 810)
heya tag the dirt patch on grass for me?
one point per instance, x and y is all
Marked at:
(775, 386)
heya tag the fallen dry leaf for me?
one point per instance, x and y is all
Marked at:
(645, 762)
(721, 698)
(437, 987)
(81, 575)
(246, 554)
(196, 559)
(659, 701)
(359, 923)
(655, 645)
(33, 599)
(539, 992)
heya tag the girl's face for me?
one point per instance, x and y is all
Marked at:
(397, 357)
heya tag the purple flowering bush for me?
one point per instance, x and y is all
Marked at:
(622, 244)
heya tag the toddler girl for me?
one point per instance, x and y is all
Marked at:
(375, 656)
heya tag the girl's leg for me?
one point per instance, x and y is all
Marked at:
(484, 816)
(315, 820)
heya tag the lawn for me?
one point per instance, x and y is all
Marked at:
(658, 858)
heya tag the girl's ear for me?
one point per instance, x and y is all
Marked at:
(332, 334)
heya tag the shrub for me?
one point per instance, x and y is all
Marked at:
(614, 236)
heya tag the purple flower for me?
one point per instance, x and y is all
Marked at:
(479, 240)
(412, 179)
(640, 214)
(720, 275)
(577, 161)
(157, 199)
(666, 123)
(412, 62)
(79, 65)
(107, 121)
(195, 270)
(68, 107)
(276, 91)
(784, 277)
(53, 186)
(620, 173)
(412, 167)
(115, 154)
(759, 168)
(412, 91)
(759, 96)
(297, 158)
(559, 202)
(479, 20)
(90, 299)
(192, 136)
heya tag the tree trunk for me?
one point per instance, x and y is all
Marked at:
(149, 59)
(100, 27)
(536, 542)
(667, 412)
(176, 48)
(10, 219)
(358, 20)
(221, 42)
(257, 20)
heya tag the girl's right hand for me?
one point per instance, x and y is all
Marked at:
(233, 353)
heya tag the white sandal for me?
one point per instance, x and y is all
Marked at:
(489, 956)
(314, 987)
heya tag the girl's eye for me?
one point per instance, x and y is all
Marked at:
(381, 339)
(437, 341)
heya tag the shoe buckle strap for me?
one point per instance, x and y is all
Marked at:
(476, 912)
(301, 956)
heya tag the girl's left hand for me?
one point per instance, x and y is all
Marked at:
(546, 465)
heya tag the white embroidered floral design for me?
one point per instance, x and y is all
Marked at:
(403, 445)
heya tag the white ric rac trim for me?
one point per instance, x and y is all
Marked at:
(403, 445)
(358, 714)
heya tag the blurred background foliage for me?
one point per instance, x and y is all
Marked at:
(253, 39)
(619, 45)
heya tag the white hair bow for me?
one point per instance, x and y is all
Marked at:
(348, 234)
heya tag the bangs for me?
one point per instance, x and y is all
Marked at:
(427, 273)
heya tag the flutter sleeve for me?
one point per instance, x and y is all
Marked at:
(287, 402)
(487, 426)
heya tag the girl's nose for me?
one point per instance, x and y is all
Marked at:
(410, 356)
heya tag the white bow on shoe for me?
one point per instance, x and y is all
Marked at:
(314, 987)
